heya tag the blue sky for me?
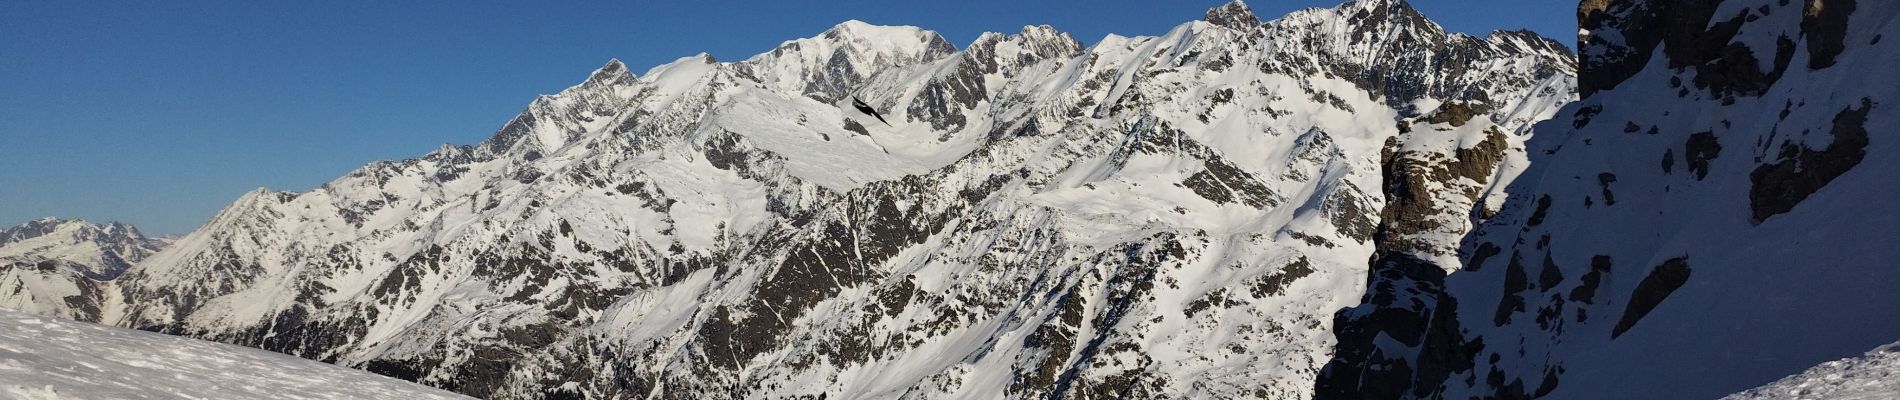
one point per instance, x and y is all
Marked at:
(160, 113)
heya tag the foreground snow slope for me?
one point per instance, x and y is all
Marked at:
(49, 358)
(1872, 376)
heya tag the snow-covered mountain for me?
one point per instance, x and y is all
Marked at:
(1714, 214)
(100, 251)
(45, 358)
(1172, 216)
(1181, 216)
(65, 268)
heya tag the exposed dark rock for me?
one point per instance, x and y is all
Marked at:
(854, 126)
(1700, 149)
(727, 151)
(1632, 22)
(1404, 298)
(894, 298)
(1221, 182)
(1484, 253)
(1586, 291)
(408, 370)
(1690, 36)
(1584, 115)
(1551, 274)
(1824, 25)
(1655, 287)
(1801, 171)
(826, 264)
(1411, 203)
(1548, 384)
(1543, 210)
(1454, 114)
(1347, 210)
(1275, 283)
(1604, 180)
(1550, 316)
(485, 369)
(1218, 181)
(1515, 282)
(1364, 370)
(1233, 15)
(1736, 72)
(944, 100)
(85, 305)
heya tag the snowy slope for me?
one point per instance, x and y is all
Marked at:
(1872, 376)
(1170, 216)
(65, 267)
(1714, 215)
(47, 358)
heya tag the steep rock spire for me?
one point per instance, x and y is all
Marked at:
(1234, 15)
(613, 71)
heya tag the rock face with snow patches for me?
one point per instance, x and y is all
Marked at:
(1714, 214)
(65, 268)
(1172, 216)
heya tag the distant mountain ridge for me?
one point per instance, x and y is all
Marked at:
(62, 268)
(101, 251)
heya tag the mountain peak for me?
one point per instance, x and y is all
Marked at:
(692, 61)
(867, 31)
(613, 70)
(1040, 30)
(1376, 4)
(1234, 15)
(851, 25)
(42, 222)
(865, 37)
(832, 64)
(1387, 19)
(1383, 10)
(33, 228)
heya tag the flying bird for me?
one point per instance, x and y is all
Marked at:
(866, 108)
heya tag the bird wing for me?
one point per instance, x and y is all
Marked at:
(867, 109)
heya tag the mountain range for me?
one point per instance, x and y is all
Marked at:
(1344, 202)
